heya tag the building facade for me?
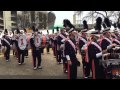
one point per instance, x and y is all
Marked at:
(1, 21)
(8, 20)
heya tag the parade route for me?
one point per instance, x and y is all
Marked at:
(51, 70)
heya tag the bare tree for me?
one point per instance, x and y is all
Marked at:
(103, 14)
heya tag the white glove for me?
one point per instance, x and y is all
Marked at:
(107, 54)
(10, 46)
(117, 48)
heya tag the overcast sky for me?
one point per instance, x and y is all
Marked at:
(60, 15)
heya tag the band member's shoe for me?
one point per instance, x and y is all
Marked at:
(19, 63)
(39, 67)
(60, 63)
(85, 77)
(7, 60)
(23, 63)
(66, 71)
(35, 68)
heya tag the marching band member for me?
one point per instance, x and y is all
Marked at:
(0, 41)
(70, 53)
(43, 43)
(47, 42)
(52, 43)
(62, 47)
(55, 45)
(60, 37)
(26, 49)
(7, 43)
(22, 43)
(115, 39)
(95, 56)
(82, 41)
(107, 41)
(35, 42)
(16, 35)
(14, 43)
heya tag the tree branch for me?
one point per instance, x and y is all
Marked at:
(100, 14)
(105, 13)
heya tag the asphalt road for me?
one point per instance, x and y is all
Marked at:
(51, 70)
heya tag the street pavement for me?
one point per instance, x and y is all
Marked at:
(50, 68)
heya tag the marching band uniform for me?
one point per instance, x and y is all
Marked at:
(36, 51)
(47, 42)
(62, 47)
(70, 53)
(52, 44)
(7, 43)
(0, 43)
(106, 42)
(60, 37)
(82, 41)
(21, 51)
(14, 44)
(26, 49)
(95, 57)
(55, 45)
(82, 45)
(117, 42)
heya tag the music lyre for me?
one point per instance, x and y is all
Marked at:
(22, 42)
(37, 40)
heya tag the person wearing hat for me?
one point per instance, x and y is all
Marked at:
(35, 42)
(70, 53)
(15, 40)
(47, 42)
(26, 49)
(13, 43)
(95, 54)
(8, 44)
(60, 37)
(67, 24)
(107, 41)
(115, 39)
(22, 43)
(98, 24)
(60, 49)
(82, 41)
